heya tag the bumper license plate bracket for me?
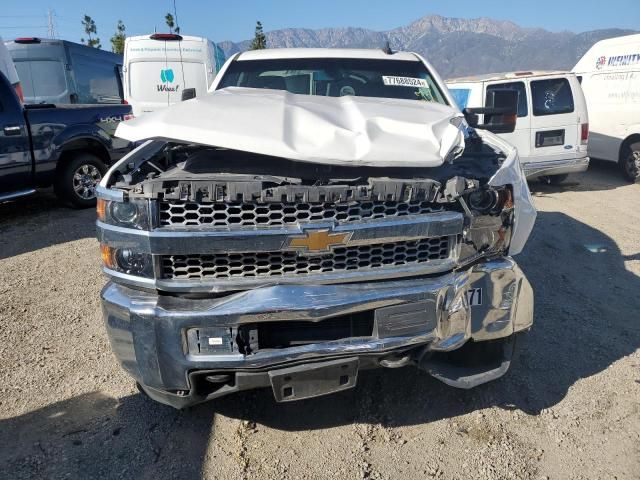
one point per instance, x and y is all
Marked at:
(314, 379)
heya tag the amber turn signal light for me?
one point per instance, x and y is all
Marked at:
(101, 209)
(108, 257)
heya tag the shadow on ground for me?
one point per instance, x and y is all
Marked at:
(39, 221)
(95, 436)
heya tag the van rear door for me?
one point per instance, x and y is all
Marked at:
(519, 138)
(166, 66)
(555, 123)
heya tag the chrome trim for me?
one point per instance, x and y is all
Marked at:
(170, 318)
(11, 195)
(211, 286)
(109, 194)
(306, 352)
(166, 241)
(147, 330)
(555, 167)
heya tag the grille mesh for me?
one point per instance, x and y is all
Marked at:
(270, 264)
(183, 213)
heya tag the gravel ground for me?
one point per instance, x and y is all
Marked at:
(568, 409)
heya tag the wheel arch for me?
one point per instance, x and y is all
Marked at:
(82, 145)
(634, 137)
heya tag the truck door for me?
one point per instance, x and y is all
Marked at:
(554, 124)
(15, 155)
(519, 138)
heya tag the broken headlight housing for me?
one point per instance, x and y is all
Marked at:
(129, 213)
(490, 215)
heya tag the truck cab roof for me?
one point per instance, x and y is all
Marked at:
(280, 53)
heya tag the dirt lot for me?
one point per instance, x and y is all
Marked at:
(569, 408)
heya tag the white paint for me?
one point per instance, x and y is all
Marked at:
(610, 73)
(354, 131)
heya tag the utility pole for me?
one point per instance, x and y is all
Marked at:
(51, 26)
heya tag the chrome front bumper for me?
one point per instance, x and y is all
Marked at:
(555, 167)
(148, 332)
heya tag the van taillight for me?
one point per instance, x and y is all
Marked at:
(165, 36)
(584, 133)
(124, 102)
(27, 40)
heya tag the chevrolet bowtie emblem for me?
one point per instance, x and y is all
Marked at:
(317, 241)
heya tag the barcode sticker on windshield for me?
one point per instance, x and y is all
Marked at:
(405, 82)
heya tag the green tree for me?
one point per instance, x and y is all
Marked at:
(90, 29)
(259, 41)
(117, 41)
(170, 22)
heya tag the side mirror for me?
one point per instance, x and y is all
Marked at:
(188, 94)
(500, 113)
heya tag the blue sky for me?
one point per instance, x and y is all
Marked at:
(235, 19)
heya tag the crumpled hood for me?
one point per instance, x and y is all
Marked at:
(349, 130)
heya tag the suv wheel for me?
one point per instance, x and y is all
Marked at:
(630, 161)
(78, 180)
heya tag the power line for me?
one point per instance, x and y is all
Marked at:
(23, 26)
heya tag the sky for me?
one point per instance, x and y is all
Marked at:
(235, 19)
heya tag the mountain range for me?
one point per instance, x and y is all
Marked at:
(455, 46)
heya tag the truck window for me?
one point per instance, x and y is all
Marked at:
(337, 77)
(461, 96)
(519, 87)
(551, 97)
(96, 80)
(41, 79)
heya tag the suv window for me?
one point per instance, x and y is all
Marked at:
(41, 80)
(523, 109)
(96, 80)
(551, 97)
(337, 77)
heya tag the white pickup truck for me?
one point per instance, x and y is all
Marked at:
(320, 212)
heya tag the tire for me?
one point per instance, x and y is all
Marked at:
(629, 162)
(554, 179)
(77, 180)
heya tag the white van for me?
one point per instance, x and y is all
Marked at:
(610, 76)
(158, 67)
(552, 127)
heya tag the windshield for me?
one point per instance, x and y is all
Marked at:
(337, 77)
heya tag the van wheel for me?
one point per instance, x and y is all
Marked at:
(554, 179)
(78, 179)
(630, 161)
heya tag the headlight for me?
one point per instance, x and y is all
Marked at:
(484, 200)
(490, 224)
(130, 213)
(125, 260)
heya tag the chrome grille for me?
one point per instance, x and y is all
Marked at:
(270, 264)
(183, 213)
